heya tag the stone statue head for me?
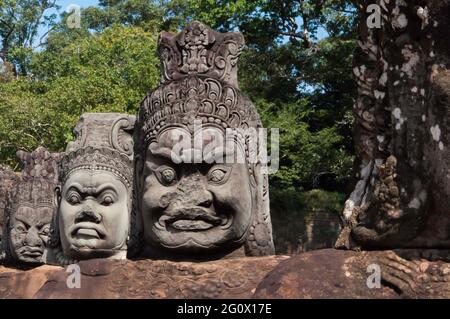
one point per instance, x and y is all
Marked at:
(197, 191)
(7, 180)
(94, 199)
(30, 208)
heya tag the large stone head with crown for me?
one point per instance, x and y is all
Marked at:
(30, 207)
(199, 182)
(94, 197)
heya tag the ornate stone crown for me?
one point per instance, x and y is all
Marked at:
(199, 50)
(90, 158)
(199, 82)
(38, 178)
(104, 142)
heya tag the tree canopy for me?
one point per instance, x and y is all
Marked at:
(296, 69)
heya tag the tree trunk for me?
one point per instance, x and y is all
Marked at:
(402, 128)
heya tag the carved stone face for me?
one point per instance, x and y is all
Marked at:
(93, 215)
(30, 228)
(195, 205)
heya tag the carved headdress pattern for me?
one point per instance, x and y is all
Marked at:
(38, 178)
(199, 83)
(103, 142)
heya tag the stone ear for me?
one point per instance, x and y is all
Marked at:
(54, 228)
(134, 242)
(57, 196)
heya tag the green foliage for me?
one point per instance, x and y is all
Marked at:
(300, 81)
(20, 21)
(306, 156)
(108, 72)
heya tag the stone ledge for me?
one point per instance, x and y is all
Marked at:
(332, 274)
(143, 279)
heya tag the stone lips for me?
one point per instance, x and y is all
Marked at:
(103, 144)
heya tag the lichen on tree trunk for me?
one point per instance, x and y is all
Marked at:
(402, 128)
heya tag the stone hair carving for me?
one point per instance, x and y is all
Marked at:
(30, 208)
(199, 208)
(7, 180)
(92, 220)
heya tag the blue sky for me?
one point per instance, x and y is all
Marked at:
(82, 3)
(64, 4)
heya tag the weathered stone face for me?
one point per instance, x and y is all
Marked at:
(30, 230)
(193, 205)
(7, 181)
(94, 218)
(30, 208)
(194, 199)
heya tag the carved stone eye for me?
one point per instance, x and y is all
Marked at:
(168, 176)
(218, 175)
(73, 199)
(20, 229)
(107, 201)
(45, 230)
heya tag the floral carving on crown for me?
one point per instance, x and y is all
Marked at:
(199, 50)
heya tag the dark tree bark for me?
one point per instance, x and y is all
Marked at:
(402, 128)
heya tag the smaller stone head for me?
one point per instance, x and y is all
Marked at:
(94, 199)
(7, 181)
(30, 207)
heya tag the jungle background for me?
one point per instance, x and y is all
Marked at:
(296, 69)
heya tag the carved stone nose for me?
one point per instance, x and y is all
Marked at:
(32, 239)
(204, 198)
(88, 216)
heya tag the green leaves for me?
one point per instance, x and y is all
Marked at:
(20, 21)
(107, 72)
(308, 159)
(300, 81)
